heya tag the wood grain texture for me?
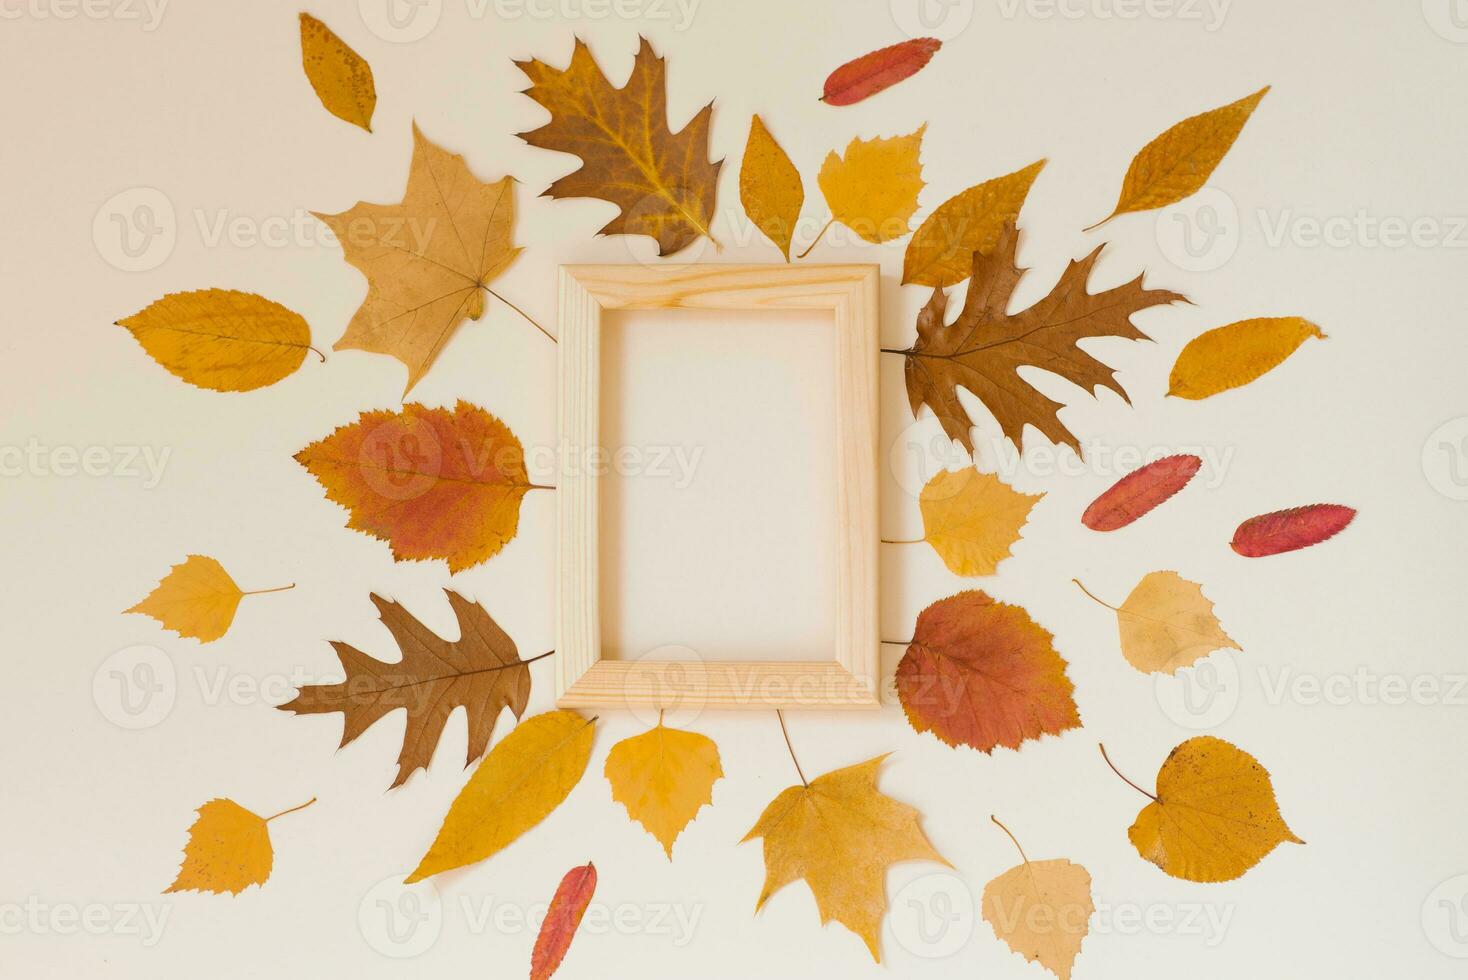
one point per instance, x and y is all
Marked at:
(849, 678)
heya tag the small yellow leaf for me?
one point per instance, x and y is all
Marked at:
(769, 187)
(874, 189)
(526, 776)
(941, 252)
(663, 777)
(1167, 623)
(222, 339)
(971, 519)
(840, 834)
(228, 849)
(341, 78)
(196, 598)
(1233, 355)
(1215, 815)
(1042, 910)
(1180, 160)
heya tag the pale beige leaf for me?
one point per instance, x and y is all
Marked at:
(1042, 911)
(1167, 623)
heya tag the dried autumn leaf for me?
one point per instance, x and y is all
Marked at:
(481, 672)
(662, 182)
(663, 777)
(1214, 815)
(840, 834)
(984, 348)
(428, 259)
(1290, 530)
(983, 674)
(873, 189)
(864, 77)
(972, 519)
(1179, 161)
(525, 776)
(1167, 623)
(197, 598)
(1233, 355)
(222, 339)
(228, 849)
(430, 482)
(1141, 490)
(1041, 909)
(942, 249)
(562, 918)
(341, 77)
(769, 187)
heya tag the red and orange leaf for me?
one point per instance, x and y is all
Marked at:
(1137, 493)
(983, 673)
(872, 73)
(432, 483)
(561, 919)
(1290, 530)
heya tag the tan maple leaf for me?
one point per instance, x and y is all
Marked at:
(985, 346)
(428, 259)
(662, 182)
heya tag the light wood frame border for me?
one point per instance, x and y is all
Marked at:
(849, 679)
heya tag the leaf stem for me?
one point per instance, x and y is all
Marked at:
(1133, 785)
(1093, 595)
(264, 591)
(317, 353)
(783, 731)
(517, 309)
(1024, 857)
(894, 350)
(818, 237)
(904, 541)
(899, 643)
(292, 809)
(1098, 224)
(538, 656)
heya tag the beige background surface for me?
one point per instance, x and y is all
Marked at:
(1343, 202)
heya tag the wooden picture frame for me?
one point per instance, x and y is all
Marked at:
(849, 679)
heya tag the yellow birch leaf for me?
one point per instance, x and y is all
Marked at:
(1041, 909)
(222, 339)
(874, 189)
(1233, 355)
(340, 76)
(524, 777)
(941, 252)
(1179, 161)
(769, 187)
(1214, 815)
(840, 834)
(196, 598)
(1167, 623)
(228, 849)
(663, 777)
(972, 519)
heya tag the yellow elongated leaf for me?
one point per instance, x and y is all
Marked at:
(972, 519)
(941, 252)
(340, 76)
(873, 190)
(1233, 355)
(196, 598)
(228, 849)
(524, 777)
(1179, 161)
(1041, 909)
(1167, 623)
(222, 339)
(663, 777)
(769, 187)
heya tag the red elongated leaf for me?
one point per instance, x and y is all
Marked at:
(1139, 491)
(871, 73)
(983, 673)
(561, 920)
(1290, 530)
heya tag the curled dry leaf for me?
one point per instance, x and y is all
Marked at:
(972, 519)
(481, 672)
(1167, 623)
(524, 777)
(769, 187)
(1290, 530)
(1140, 491)
(984, 674)
(1233, 355)
(432, 483)
(197, 598)
(341, 77)
(864, 77)
(562, 917)
(873, 189)
(228, 849)
(840, 834)
(661, 181)
(941, 252)
(1041, 909)
(663, 777)
(222, 339)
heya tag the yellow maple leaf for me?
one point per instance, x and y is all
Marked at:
(873, 190)
(1167, 623)
(196, 598)
(340, 76)
(972, 519)
(428, 259)
(770, 187)
(524, 777)
(1041, 909)
(663, 777)
(1233, 355)
(840, 834)
(228, 849)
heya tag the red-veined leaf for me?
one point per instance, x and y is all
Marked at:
(1290, 530)
(561, 920)
(1139, 491)
(871, 73)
